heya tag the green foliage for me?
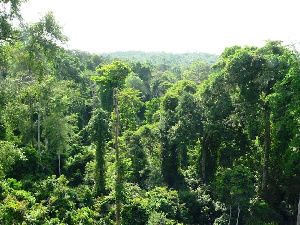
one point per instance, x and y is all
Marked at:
(230, 51)
(129, 106)
(16, 204)
(113, 75)
(198, 72)
(149, 140)
(262, 213)
(162, 200)
(161, 219)
(94, 62)
(12, 211)
(260, 95)
(46, 35)
(74, 169)
(137, 209)
(98, 129)
(143, 71)
(135, 82)
(156, 58)
(147, 208)
(152, 111)
(199, 205)
(177, 117)
(9, 155)
(83, 216)
(235, 186)
(57, 196)
(225, 138)
(27, 166)
(138, 157)
(10, 10)
(38, 214)
(68, 67)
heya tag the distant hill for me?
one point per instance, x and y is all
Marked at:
(156, 58)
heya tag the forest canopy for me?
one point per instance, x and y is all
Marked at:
(145, 138)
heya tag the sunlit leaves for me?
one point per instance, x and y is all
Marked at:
(9, 154)
(112, 75)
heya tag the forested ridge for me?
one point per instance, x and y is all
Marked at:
(159, 58)
(105, 139)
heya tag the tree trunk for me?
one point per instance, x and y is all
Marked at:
(59, 171)
(229, 215)
(31, 121)
(203, 160)
(45, 129)
(39, 126)
(118, 182)
(100, 175)
(298, 217)
(267, 146)
(94, 96)
(237, 220)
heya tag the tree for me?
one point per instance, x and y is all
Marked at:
(152, 111)
(59, 121)
(9, 154)
(136, 152)
(235, 187)
(32, 61)
(255, 72)
(215, 107)
(143, 71)
(261, 82)
(285, 155)
(161, 82)
(133, 81)
(113, 76)
(98, 129)
(177, 119)
(197, 72)
(130, 105)
(298, 217)
(10, 10)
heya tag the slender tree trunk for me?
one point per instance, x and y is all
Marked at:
(39, 126)
(298, 217)
(229, 215)
(59, 171)
(100, 164)
(45, 129)
(31, 122)
(237, 219)
(118, 182)
(99, 174)
(94, 95)
(267, 147)
(203, 160)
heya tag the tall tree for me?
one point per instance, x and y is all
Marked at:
(98, 128)
(113, 76)
(253, 74)
(177, 119)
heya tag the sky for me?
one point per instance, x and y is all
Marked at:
(178, 26)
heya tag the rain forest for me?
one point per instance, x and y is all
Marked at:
(145, 138)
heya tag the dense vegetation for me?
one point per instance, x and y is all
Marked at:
(165, 59)
(87, 139)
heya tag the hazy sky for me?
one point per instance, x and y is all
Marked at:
(170, 25)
